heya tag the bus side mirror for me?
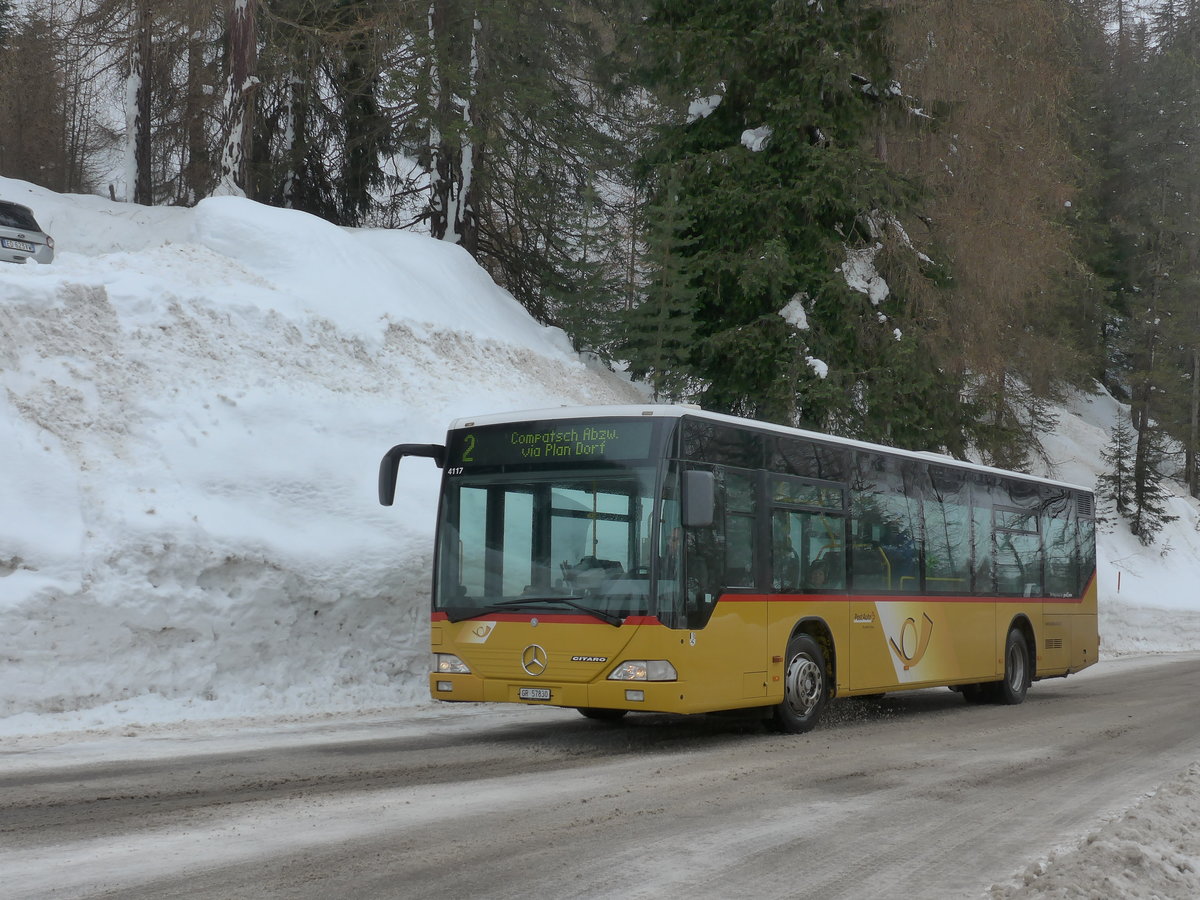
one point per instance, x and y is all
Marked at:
(699, 495)
(390, 465)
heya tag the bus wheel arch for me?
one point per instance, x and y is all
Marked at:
(808, 678)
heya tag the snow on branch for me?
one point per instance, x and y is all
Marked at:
(703, 107)
(756, 139)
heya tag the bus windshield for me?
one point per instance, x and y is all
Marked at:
(554, 540)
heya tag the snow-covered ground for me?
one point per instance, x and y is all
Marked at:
(1152, 851)
(194, 405)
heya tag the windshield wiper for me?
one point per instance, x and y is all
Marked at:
(610, 618)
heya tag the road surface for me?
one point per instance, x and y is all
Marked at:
(914, 795)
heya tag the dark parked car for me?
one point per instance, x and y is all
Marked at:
(21, 237)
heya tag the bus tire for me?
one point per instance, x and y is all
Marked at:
(602, 715)
(1017, 675)
(976, 693)
(805, 686)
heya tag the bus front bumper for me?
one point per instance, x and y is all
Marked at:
(651, 696)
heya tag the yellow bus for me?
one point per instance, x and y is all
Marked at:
(661, 558)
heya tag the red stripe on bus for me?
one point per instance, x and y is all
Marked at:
(557, 618)
(888, 598)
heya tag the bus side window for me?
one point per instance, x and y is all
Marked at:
(824, 560)
(885, 525)
(947, 533)
(1087, 551)
(721, 556)
(740, 495)
(806, 551)
(701, 572)
(1017, 541)
(984, 578)
(785, 561)
(704, 563)
(1060, 547)
(1017, 554)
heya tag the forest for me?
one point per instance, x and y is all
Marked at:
(916, 222)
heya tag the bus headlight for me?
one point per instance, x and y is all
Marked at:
(449, 664)
(644, 670)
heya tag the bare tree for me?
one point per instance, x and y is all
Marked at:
(991, 92)
(31, 105)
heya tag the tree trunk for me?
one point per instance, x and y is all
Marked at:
(1193, 469)
(139, 187)
(292, 150)
(243, 65)
(193, 172)
(453, 73)
(196, 172)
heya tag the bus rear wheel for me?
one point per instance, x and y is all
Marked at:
(805, 686)
(1017, 676)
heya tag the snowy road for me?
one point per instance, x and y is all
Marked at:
(915, 795)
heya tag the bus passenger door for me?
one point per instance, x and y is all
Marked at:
(726, 646)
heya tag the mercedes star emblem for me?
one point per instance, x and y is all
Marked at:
(534, 659)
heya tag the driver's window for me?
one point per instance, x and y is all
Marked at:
(670, 557)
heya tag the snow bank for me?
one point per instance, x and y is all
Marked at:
(193, 410)
(1151, 851)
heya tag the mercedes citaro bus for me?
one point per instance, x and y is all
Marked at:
(661, 558)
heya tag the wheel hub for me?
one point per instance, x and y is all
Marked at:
(803, 685)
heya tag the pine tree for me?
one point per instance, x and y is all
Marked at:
(793, 218)
(369, 132)
(1132, 483)
(1114, 487)
(1149, 496)
(659, 331)
(1153, 199)
(1175, 72)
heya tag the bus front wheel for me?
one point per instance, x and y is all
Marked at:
(805, 686)
(976, 693)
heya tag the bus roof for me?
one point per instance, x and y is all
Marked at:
(668, 411)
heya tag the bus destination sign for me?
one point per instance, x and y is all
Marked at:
(552, 442)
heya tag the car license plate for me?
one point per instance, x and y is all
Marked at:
(17, 245)
(533, 693)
